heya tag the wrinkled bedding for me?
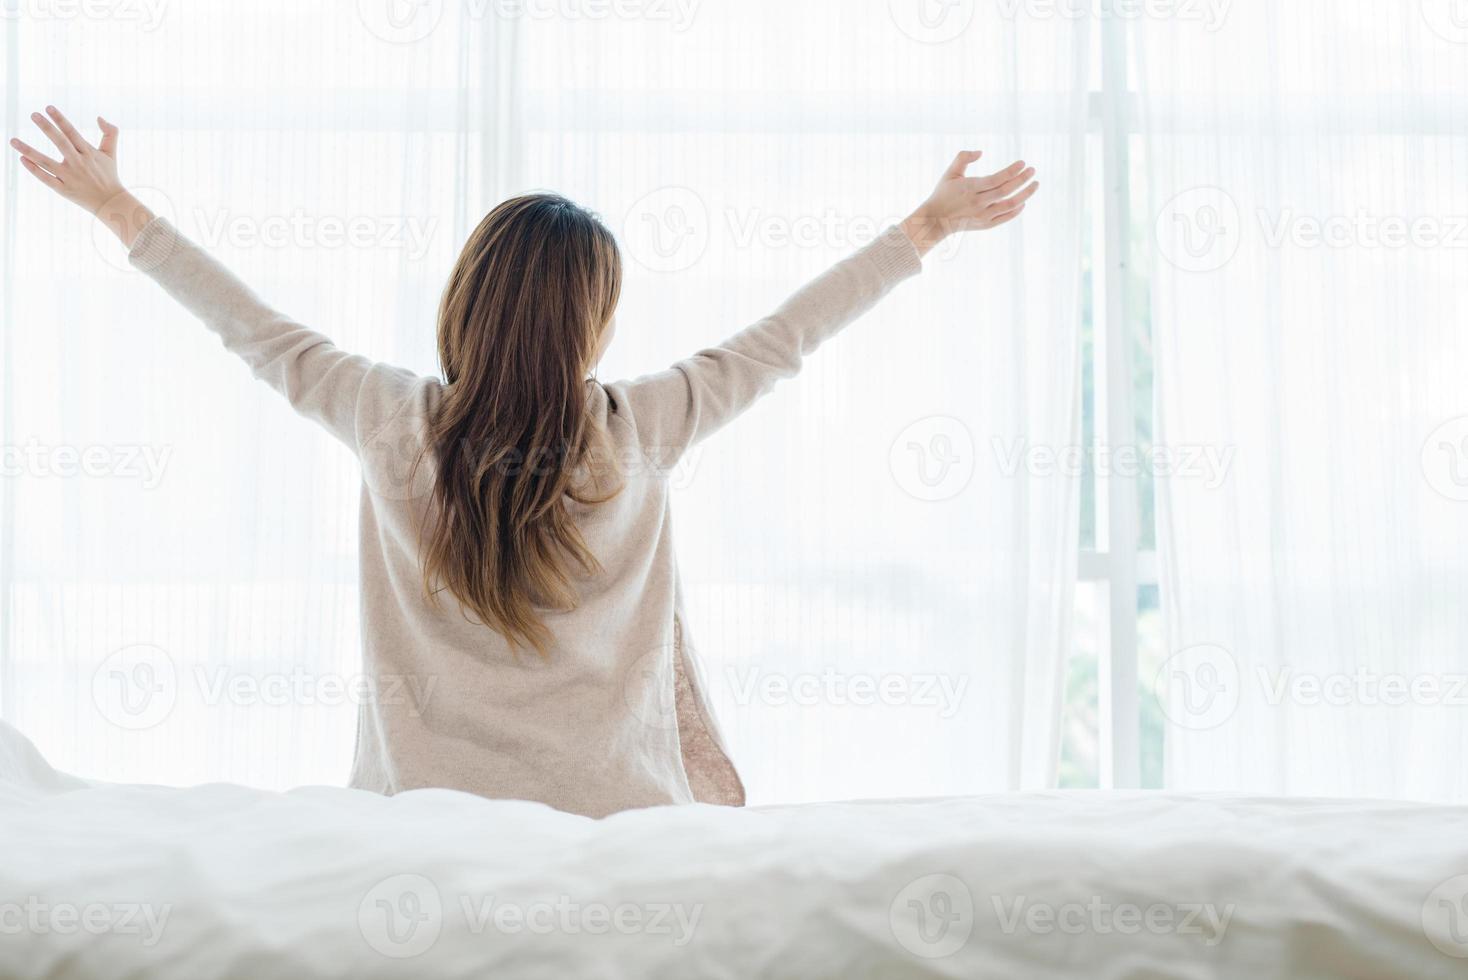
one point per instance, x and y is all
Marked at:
(100, 880)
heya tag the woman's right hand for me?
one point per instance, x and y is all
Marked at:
(963, 203)
(85, 174)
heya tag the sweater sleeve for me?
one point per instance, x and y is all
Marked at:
(675, 408)
(349, 395)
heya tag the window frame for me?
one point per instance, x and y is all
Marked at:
(1117, 559)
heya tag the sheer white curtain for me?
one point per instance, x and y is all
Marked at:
(880, 589)
(186, 609)
(1310, 292)
(881, 594)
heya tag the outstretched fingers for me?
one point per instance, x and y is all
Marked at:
(50, 180)
(1006, 217)
(1017, 200)
(28, 152)
(79, 173)
(54, 135)
(981, 185)
(1007, 187)
(76, 139)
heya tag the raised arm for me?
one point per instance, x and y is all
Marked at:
(677, 407)
(351, 396)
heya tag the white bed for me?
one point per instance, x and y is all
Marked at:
(222, 881)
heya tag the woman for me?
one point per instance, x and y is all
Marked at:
(516, 553)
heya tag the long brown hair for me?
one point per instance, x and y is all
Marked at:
(518, 331)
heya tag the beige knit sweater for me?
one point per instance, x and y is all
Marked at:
(616, 717)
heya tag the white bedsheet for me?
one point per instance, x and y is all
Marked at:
(222, 881)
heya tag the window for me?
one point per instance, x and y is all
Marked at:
(1111, 726)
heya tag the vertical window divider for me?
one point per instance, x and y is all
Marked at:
(1120, 713)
